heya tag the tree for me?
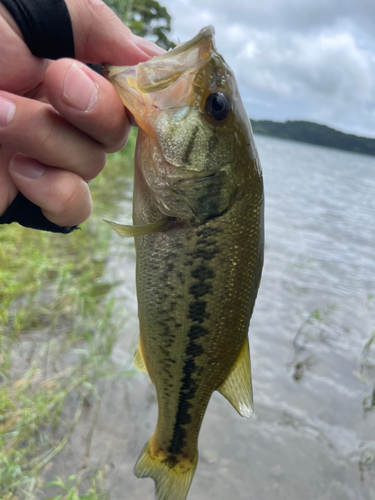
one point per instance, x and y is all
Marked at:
(146, 18)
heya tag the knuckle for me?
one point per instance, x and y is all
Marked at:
(102, 11)
(49, 136)
(65, 146)
(96, 5)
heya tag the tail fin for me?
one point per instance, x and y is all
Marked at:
(172, 477)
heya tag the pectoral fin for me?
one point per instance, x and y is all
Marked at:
(237, 387)
(138, 360)
(133, 231)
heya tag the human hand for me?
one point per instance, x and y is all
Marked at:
(59, 119)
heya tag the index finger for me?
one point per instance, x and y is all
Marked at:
(87, 101)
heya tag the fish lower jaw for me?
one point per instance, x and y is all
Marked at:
(111, 71)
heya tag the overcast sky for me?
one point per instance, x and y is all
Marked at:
(294, 59)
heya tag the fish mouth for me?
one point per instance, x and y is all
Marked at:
(157, 84)
(206, 32)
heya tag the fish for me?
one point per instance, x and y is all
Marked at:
(198, 211)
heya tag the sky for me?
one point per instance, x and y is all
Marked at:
(293, 59)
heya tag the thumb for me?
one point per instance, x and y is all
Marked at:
(101, 37)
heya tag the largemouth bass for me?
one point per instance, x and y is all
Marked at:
(198, 226)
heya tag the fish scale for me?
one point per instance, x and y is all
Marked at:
(198, 227)
(215, 315)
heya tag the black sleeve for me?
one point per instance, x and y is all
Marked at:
(45, 25)
(27, 214)
(47, 29)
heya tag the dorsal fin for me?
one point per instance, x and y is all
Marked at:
(237, 387)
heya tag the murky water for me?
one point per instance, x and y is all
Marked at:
(312, 436)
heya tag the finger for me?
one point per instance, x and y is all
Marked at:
(38, 93)
(8, 191)
(100, 36)
(88, 101)
(5, 14)
(37, 130)
(150, 48)
(63, 196)
(16, 59)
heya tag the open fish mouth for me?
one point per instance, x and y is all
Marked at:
(206, 33)
(176, 81)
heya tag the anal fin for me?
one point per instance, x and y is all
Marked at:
(138, 360)
(134, 231)
(237, 387)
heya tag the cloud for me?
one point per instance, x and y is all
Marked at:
(294, 59)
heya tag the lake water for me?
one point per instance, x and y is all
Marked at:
(312, 435)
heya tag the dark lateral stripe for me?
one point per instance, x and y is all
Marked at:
(205, 253)
(187, 392)
(201, 286)
(207, 231)
(197, 311)
(200, 289)
(202, 273)
(196, 332)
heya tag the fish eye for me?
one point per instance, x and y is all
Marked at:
(217, 106)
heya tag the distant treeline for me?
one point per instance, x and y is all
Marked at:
(313, 133)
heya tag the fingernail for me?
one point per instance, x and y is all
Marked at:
(7, 110)
(80, 92)
(27, 167)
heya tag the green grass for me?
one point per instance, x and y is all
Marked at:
(55, 308)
